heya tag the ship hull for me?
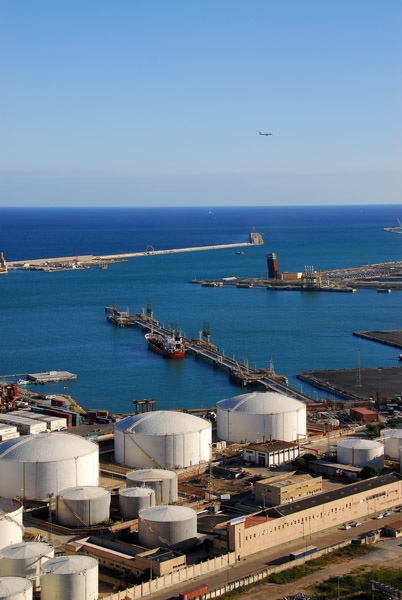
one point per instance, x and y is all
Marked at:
(158, 344)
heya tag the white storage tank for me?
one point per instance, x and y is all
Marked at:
(25, 560)
(11, 527)
(360, 453)
(161, 481)
(392, 439)
(162, 439)
(261, 416)
(83, 506)
(134, 499)
(166, 526)
(15, 588)
(35, 466)
(70, 578)
(400, 459)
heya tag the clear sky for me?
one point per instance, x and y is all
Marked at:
(159, 102)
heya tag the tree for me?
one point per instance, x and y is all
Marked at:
(368, 471)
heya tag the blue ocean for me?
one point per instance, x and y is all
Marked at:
(57, 321)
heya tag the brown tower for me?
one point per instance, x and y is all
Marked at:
(272, 262)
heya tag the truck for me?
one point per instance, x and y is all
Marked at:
(302, 552)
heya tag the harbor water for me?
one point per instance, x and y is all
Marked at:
(56, 321)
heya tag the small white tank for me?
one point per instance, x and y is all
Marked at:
(392, 442)
(162, 481)
(70, 578)
(360, 453)
(166, 525)
(15, 588)
(83, 506)
(134, 499)
(25, 560)
(11, 527)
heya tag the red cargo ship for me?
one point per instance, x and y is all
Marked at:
(171, 347)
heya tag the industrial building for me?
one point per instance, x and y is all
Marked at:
(163, 439)
(365, 415)
(304, 518)
(261, 416)
(24, 425)
(271, 453)
(34, 466)
(286, 488)
(335, 470)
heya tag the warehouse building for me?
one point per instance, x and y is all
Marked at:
(301, 519)
(271, 453)
(286, 488)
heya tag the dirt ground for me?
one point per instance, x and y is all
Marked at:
(387, 553)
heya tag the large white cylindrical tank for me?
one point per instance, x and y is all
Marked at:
(11, 527)
(392, 442)
(25, 560)
(161, 481)
(164, 439)
(166, 525)
(35, 466)
(261, 416)
(400, 459)
(70, 578)
(83, 506)
(134, 499)
(360, 453)
(15, 588)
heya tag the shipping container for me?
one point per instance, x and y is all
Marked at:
(302, 552)
(195, 592)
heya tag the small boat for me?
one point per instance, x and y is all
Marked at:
(240, 252)
(399, 356)
(168, 346)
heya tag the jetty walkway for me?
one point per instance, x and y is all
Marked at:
(239, 373)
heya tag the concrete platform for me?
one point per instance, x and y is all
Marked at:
(384, 381)
(51, 377)
(392, 337)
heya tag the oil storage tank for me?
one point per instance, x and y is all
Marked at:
(166, 526)
(83, 506)
(260, 416)
(392, 439)
(134, 499)
(35, 466)
(360, 453)
(15, 588)
(11, 527)
(70, 578)
(162, 439)
(162, 481)
(25, 560)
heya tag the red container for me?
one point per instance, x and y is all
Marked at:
(195, 592)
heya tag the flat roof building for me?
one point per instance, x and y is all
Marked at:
(272, 453)
(286, 488)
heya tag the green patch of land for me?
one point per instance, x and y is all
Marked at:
(357, 584)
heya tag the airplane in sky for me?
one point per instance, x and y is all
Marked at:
(265, 133)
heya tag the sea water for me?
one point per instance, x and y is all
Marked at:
(57, 321)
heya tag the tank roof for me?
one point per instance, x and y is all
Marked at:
(137, 492)
(8, 505)
(360, 443)
(27, 550)
(167, 513)
(86, 492)
(261, 403)
(395, 433)
(162, 422)
(9, 586)
(65, 565)
(150, 475)
(47, 447)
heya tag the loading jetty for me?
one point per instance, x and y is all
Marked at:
(201, 348)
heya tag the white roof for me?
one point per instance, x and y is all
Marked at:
(360, 444)
(10, 586)
(150, 475)
(137, 492)
(46, 447)
(9, 505)
(261, 403)
(27, 550)
(86, 492)
(395, 433)
(167, 513)
(162, 422)
(64, 565)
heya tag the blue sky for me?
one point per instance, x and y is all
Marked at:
(159, 102)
